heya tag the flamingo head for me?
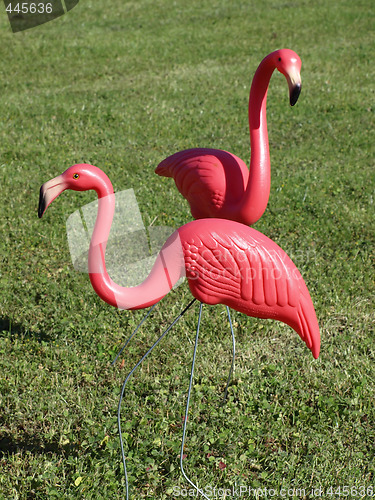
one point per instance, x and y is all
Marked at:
(289, 64)
(81, 177)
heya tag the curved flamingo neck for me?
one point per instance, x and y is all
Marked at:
(99, 277)
(167, 269)
(258, 187)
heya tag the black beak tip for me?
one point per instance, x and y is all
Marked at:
(294, 94)
(42, 204)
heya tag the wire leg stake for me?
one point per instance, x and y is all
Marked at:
(233, 356)
(125, 382)
(134, 332)
(187, 407)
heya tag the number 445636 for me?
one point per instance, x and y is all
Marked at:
(30, 8)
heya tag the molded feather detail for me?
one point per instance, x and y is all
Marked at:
(203, 176)
(232, 264)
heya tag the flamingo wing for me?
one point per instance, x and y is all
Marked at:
(232, 264)
(210, 179)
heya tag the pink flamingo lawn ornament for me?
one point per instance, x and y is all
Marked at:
(219, 184)
(225, 262)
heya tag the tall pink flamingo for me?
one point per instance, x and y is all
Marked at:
(217, 183)
(225, 262)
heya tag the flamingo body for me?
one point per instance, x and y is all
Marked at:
(229, 263)
(203, 175)
(217, 183)
(224, 261)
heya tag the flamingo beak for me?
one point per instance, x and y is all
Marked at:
(50, 191)
(294, 84)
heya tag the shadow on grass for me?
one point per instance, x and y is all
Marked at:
(16, 330)
(9, 446)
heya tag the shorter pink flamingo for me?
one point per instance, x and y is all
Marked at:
(225, 262)
(219, 184)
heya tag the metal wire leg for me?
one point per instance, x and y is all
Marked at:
(134, 332)
(187, 408)
(123, 390)
(233, 356)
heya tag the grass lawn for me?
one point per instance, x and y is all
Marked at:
(122, 85)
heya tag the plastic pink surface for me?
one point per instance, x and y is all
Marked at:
(224, 261)
(219, 184)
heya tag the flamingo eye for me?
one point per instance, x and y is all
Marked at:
(76, 176)
(279, 59)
